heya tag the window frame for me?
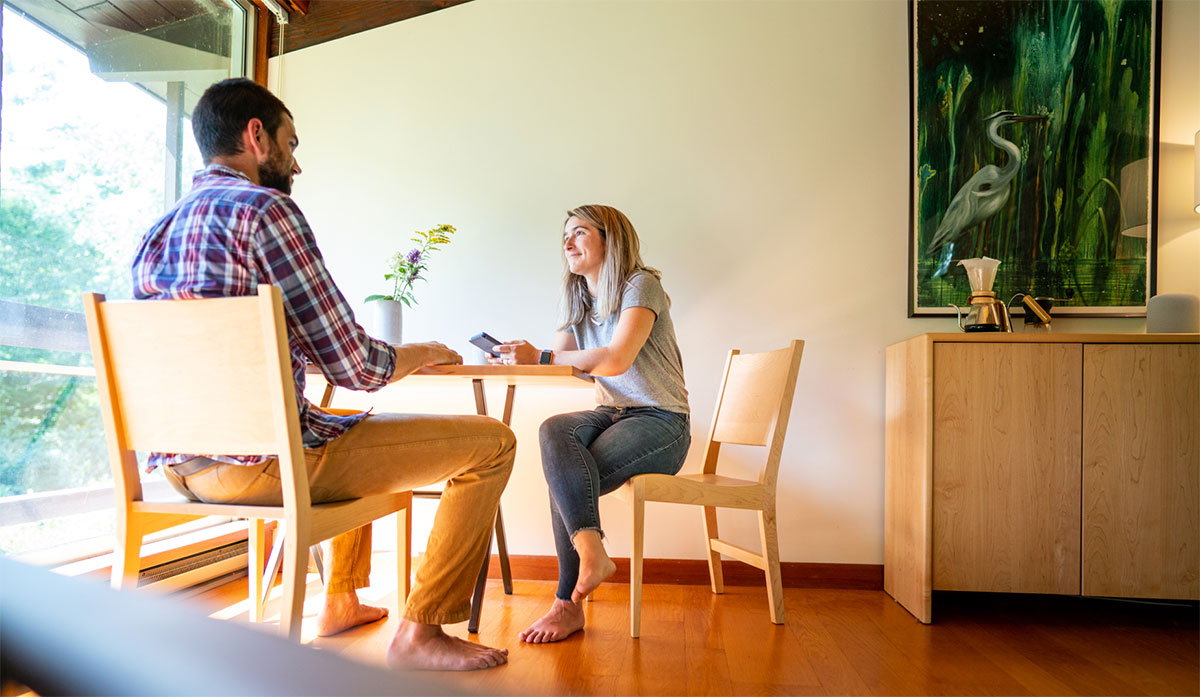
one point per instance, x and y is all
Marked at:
(32, 326)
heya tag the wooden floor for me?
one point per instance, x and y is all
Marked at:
(835, 642)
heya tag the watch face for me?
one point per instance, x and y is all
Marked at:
(544, 359)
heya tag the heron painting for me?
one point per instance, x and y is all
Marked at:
(1024, 114)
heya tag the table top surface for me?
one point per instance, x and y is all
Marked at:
(511, 374)
(551, 375)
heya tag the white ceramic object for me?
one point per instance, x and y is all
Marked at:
(389, 321)
(1173, 313)
(981, 272)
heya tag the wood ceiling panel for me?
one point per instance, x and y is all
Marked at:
(182, 9)
(106, 14)
(333, 19)
(147, 13)
(76, 5)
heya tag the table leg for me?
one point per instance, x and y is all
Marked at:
(502, 552)
(477, 596)
(273, 563)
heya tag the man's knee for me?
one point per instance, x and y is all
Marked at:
(506, 443)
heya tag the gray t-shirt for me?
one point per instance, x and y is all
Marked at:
(656, 377)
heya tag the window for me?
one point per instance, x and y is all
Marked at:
(95, 144)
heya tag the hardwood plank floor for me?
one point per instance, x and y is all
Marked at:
(835, 642)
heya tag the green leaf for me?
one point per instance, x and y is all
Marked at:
(369, 298)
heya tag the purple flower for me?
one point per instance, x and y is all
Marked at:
(414, 256)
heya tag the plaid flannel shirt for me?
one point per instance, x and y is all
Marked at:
(227, 236)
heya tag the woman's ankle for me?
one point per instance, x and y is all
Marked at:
(589, 544)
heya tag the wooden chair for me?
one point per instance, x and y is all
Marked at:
(214, 376)
(753, 406)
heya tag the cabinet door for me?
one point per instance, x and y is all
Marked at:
(1141, 464)
(1006, 467)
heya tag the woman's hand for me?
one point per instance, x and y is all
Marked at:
(518, 352)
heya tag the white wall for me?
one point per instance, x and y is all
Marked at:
(759, 147)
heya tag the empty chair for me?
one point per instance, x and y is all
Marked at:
(225, 363)
(753, 405)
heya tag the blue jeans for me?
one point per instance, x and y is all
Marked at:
(589, 453)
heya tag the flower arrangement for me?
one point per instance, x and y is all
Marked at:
(405, 268)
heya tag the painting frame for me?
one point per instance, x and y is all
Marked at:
(1092, 262)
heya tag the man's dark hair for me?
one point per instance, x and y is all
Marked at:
(224, 110)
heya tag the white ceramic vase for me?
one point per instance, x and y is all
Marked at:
(389, 321)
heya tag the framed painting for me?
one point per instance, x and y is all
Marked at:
(1034, 142)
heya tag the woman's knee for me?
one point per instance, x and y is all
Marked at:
(557, 427)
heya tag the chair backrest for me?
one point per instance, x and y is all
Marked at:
(209, 376)
(754, 403)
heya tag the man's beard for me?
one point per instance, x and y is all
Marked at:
(274, 173)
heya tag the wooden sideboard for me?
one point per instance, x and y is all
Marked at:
(1042, 463)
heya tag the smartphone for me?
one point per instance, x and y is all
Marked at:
(486, 341)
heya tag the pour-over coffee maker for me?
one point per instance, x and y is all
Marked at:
(986, 312)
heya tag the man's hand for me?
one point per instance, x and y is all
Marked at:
(412, 357)
(440, 354)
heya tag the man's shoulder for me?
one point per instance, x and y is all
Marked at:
(238, 192)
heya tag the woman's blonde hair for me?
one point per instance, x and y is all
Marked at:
(622, 258)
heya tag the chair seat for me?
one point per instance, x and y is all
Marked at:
(696, 489)
(327, 519)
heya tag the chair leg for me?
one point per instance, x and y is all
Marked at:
(127, 556)
(256, 553)
(716, 574)
(295, 572)
(404, 554)
(635, 565)
(769, 537)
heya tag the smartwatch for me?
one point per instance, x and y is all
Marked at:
(546, 357)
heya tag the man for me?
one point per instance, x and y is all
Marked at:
(237, 228)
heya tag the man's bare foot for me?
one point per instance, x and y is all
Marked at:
(343, 611)
(563, 619)
(418, 646)
(595, 567)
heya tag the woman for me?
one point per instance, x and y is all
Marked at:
(619, 329)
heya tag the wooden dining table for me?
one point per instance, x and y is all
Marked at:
(511, 376)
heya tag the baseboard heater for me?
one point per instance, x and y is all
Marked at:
(195, 569)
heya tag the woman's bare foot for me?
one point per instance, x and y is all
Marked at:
(343, 611)
(417, 646)
(563, 619)
(595, 567)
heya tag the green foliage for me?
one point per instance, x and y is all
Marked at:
(51, 433)
(41, 263)
(1087, 66)
(406, 268)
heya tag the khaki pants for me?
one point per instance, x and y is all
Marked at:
(386, 453)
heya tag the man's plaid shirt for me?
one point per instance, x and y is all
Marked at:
(227, 236)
